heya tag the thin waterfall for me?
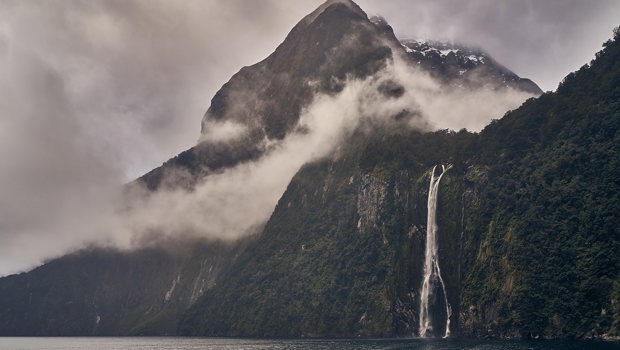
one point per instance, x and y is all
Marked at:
(431, 260)
(461, 237)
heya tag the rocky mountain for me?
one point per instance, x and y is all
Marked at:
(102, 291)
(527, 217)
(263, 102)
(464, 67)
(516, 236)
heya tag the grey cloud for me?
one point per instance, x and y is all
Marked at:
(540, 40)
(230, 204)
(52, 181)
(94, 93)
(141, 73)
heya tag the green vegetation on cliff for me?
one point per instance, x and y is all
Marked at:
(528, 216)
(107, 292)
(528, 220)
(548, 258)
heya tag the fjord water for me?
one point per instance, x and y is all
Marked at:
(164, 343)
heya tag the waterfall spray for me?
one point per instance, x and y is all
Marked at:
(431, 260)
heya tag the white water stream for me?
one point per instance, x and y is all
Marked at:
(431, 260)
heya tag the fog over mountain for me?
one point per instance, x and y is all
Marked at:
(96, 93)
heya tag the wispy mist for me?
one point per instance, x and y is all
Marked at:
(239, 200)
(92, 94)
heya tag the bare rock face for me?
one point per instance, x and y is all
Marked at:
(371, 198)
(464, 67)
(333, 42)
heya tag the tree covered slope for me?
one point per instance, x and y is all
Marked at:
(528, 217)
(528, 220)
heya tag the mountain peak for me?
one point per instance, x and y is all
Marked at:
(529, 208)
(348, 4)
(463, 66)
(263, 103)
(334, 41)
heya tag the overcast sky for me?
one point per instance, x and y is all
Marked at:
(94, 93)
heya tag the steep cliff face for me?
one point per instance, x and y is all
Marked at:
(527, 220)
(527, 215)
(107, 292)
(548, 224)
(342, 254)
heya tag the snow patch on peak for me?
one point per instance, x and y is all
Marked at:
(446, 52)
(418, 41)
(475, 58)
(407, 48)
(443, 49)
(377, 20)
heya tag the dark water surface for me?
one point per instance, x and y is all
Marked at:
(252, 344)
